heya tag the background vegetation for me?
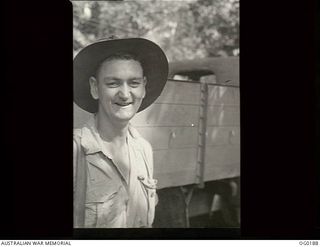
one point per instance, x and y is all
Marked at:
(184, 29)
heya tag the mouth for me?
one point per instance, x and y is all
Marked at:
(123, 104)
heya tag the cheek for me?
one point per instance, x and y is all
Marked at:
(105, 94)
(138, 94)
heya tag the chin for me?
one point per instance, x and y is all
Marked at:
(125, 117)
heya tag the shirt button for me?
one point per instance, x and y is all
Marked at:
(152, 195)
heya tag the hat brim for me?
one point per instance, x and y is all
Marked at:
(86, 62)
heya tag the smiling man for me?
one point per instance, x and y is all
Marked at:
(113, 164)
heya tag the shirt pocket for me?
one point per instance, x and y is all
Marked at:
(94, 206)
(105, 199)
(149, 186)
(107, 211)
(99, 185)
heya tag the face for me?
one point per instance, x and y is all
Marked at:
(120, 89)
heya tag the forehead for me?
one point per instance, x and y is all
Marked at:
(120, 67)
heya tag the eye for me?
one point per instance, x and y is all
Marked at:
(112, 84)
(135, 83)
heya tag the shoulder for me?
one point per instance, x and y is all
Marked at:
(143, 143)
(77, 134)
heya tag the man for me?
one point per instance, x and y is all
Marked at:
(113, 164)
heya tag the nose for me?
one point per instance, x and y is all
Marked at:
(124, 92)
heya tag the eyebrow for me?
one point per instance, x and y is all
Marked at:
(118, 79)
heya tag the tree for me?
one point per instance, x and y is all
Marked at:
(184, 29)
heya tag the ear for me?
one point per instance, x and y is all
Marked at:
(94, 87)
(144, 86)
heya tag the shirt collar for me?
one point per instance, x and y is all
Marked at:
(92, 142)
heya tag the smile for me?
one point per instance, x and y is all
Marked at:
(123, 104)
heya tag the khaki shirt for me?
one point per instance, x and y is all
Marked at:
(111, 201)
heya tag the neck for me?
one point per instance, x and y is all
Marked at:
(109, 131)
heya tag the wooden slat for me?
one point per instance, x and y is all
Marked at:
(174, 167)
(170, 137)
(220, 155)
(175, 178)
(186, 115)
(182, 137)
(217, 136)
(223, 116)
(167, 115)
(180, 93)
(222, 95)
(222, 162)
(222, 172)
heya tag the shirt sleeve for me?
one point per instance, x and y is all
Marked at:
(149, 155)
(75, 155)
(76, 136)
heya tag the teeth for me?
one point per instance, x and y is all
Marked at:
(123, 104)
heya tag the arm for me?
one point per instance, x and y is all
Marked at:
(75, 155)
(79, 184)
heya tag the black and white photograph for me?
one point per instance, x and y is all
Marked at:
(156, 114)
(120, 115)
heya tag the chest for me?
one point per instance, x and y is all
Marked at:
(121, 160)
(106, 176)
